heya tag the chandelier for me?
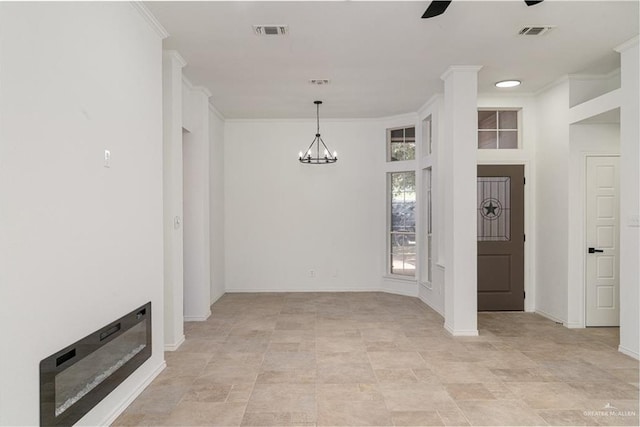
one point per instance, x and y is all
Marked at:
(312, 156)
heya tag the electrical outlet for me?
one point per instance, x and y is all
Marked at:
(312, 273)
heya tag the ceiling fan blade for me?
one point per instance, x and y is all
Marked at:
(436, 8)
(532, 2)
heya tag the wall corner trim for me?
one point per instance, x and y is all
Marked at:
(628, 44)
(174, 346)
(629, 352)
(109, 419)
(197, 318)
(151, 20)
(174, 54)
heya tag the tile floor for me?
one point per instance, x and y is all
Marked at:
(369, 359)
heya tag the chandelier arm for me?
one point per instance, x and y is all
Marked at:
(329, 155)
(308, 151)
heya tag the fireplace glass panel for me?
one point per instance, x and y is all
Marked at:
(82, 377)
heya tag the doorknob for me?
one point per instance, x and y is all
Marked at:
(594, 250)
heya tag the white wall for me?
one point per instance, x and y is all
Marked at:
(586, 87)
(432, 293)
(216, 211)
(172, 64)
(283, 218)
(196, 196)
(584, 139)
(630, 199)
(80, 244)
(551, 201)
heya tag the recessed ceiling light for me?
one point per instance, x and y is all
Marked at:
(508, 83)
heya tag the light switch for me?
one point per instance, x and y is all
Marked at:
(634, 221)
(107, 158)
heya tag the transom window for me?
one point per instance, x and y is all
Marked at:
(498, 129)
(401, 144)
(402, 224)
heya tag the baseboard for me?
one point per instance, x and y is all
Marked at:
(197, 318)
(550, 317)
(174, 346)
(461, 332)
(289, 290)
(436, 309)
(574, 325)
(629, 352)
(110, 419)
(402, 292)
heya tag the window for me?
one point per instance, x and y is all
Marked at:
(402, 224)
(401, 144)
(497, 129)
(427, 276)
(426, 136)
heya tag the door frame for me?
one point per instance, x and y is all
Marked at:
(529, 220)
(583, 234)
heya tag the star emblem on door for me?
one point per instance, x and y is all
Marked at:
(491, 208)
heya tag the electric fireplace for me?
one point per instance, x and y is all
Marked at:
(74, 379)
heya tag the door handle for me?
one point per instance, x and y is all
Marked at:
(594, 250)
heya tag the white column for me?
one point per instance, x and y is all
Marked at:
(172, 64)
(460, 174)
(197, 248)
(629, 200)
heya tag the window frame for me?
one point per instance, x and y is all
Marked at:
(497, 130)
(389, 143)
(427, 249)
(390, 233)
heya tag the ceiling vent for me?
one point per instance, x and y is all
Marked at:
(319, 82)
(535, 31)
(271, 30)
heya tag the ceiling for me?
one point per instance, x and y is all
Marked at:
(381, 58)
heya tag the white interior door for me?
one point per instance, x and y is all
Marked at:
(602, 251)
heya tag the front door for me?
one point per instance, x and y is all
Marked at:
(500, 237)
(602, 282)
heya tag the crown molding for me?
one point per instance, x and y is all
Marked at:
(309, 120)
(553, 84)
(202, 89)
(399, 118)
(627, 45)
(187, 82)
(610, 75)
(460, 68)
(151, 20)
(506, 95)
(216, 112)
(175, 55)
(434, 100)
(191, 86)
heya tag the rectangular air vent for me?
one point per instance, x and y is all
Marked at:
(534, 31)
(271, 30)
